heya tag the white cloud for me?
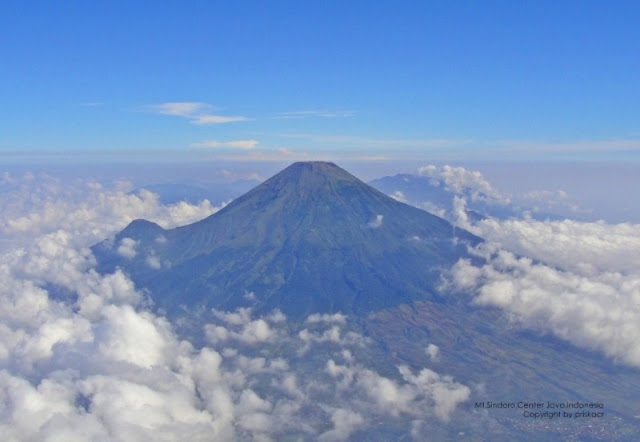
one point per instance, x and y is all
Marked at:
(137, 338)
(337, 318)
(433, 351)
(153, 262)
(399, 196)
(599, 312)
(332, 334)
(376, 222)
(433, 208)
(241, 327)
(196, 112)
(87, 213)
(182, 109)
(585, 248)
(459, 213)
(242, 316)
(83, 358)
(419, 395)
(127, 248)
(345, 422)
(577, 280)
(460, 180)
(234, 144)
(446, 393)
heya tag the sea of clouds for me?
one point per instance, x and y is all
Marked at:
(83, 356)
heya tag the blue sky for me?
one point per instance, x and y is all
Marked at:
(471, 80)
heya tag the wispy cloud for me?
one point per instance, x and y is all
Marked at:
(182, 109)
(216, 119)
(232, 144)
(196, 112)
(373, 142)
(314, 114)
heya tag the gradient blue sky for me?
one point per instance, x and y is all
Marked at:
(541, 80)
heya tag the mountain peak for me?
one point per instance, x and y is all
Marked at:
(312, 165)
(311, 239)
(309, 174)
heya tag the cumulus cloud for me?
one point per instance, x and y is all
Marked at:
(83, 357)
(246, 330)
(127, 248)
(599, 312)
(153, 262)
(398, 195)
(461, 181)
(577, 280)
(433, 351)
(338, 318)
(581, 247)
(361, 395)
(252, 332)
(344, 422)
(86, 211)
(424, 392)
(376, 222)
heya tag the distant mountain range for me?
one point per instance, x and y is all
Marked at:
(315, 239)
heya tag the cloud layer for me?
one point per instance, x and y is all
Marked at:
(83, 356)
(85, 209)
(579, 281)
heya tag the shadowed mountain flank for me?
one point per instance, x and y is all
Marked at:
(312, 238)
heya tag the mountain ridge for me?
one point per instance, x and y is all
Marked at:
(312, 238)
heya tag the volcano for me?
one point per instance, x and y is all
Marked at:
(315, 239)
(311, 239)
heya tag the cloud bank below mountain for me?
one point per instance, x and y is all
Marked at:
(577, 280)
(83, 357)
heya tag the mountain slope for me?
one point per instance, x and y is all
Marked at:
(313, 238)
